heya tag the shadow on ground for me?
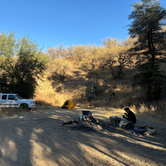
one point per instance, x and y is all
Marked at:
(37, 138)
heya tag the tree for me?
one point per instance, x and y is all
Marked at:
(147, 21)
(56, 52)
(115, 56)
(120, 60)
(111, 42)
(59, 65)
(89, 60)
(21, 64)
(79, 52)
(59, 69)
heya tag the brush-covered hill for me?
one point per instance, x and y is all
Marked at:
(91, 77)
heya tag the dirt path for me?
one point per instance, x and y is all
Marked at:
(37, 138)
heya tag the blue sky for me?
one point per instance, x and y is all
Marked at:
(53, 22)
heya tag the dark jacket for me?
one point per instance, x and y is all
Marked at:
(130, 116)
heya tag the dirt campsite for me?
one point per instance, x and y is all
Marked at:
(37, 138)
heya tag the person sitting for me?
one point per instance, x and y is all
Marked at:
(129, 119)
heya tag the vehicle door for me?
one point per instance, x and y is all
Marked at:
(12, 101)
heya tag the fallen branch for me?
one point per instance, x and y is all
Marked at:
(70, 122)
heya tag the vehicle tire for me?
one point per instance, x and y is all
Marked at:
(24, 107)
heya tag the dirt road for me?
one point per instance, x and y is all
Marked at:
(37, 138)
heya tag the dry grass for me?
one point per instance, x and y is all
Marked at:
(11, 111)
(14, 111)
(116, 93)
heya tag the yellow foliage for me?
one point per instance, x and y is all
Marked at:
(89, 57)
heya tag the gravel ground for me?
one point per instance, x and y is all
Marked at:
(37, 138)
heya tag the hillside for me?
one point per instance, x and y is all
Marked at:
(111, 92)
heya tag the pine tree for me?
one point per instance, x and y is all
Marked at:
(148, 18)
